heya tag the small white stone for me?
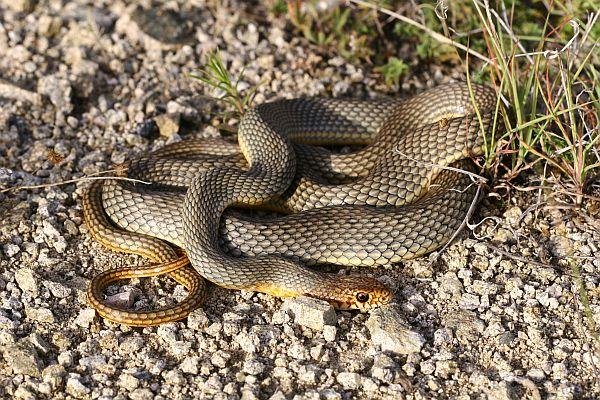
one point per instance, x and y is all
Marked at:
(76, 388)
(253, 367)
(190, 364)
(42, 315)
(11, 249)
(349, 380)
(65, 358)
(27, 280)
(128, 381)
(469, 301)
(85, 317)
(329, 333)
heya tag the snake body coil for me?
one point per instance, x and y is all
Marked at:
(393, 200)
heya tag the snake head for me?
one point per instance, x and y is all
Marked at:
(355, 292)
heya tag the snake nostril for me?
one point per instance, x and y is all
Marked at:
(362, 297)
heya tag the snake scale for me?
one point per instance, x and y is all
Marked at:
(390, 201)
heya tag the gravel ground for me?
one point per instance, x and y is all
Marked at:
(88, 84)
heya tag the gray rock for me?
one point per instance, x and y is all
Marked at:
(48, 26)
(23, 358)
(24, 393)
(58, 91)
(308, 374)
(167, 332)
(65, 358)
(297, 351)
(124, 300)
(383, 368)
(469, 301)
(93, 362)
(309, 312)
(197, 319)
(164, 25)
(503, 235)
(390, 332)
(513, 216)
(57, 289)
(219, 359)
(11, 249)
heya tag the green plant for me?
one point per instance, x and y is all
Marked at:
(552, 104)
(349, 32)
(393, 70)
(214, 74)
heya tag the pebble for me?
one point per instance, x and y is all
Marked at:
(174, 377)
(197, 320)
(349, 380)
(77, 389)
(389, 332)
(253, 367)
(131, 345)
(329, 333)
(27, 280)
(309, 312)
(11, 250)
(39, 342)
(57, 289)
(24, 6)
(42, 315)
(141, 394)
(330, 394)
(23, 358)
(469, 301)
(168, 124)
(85, 317)
(189, 365)
(58, 91)
(54, 375)
(219, 359)
(65, 358)
(128, 381)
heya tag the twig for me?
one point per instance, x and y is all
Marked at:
(473, 175)
(440, 38)
(464, 223)
(84, 178)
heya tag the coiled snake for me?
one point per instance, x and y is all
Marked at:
(390, 201)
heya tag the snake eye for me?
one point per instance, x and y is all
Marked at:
(362, 297)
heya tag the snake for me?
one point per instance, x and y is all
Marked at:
(400, 196)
